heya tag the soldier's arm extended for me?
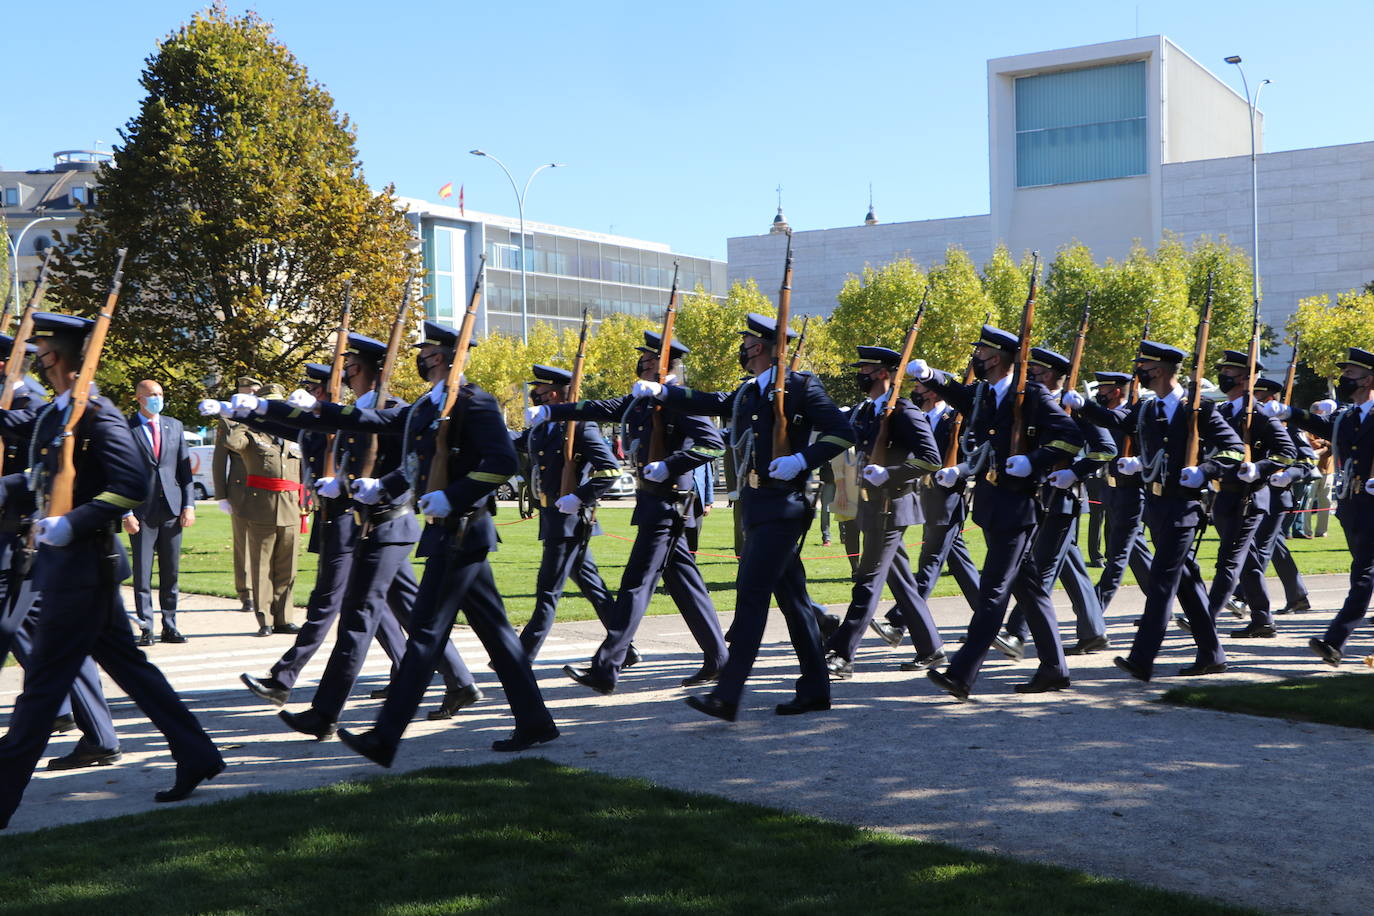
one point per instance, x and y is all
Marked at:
(702, 403)
(701, 443)
(606, 409)
(329, 417)
(483, 432)
(953, 392)
(1098, 449)
(602, 468)
(1058, 431)
(833, 434)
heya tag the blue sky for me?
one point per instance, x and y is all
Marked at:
(677, 121)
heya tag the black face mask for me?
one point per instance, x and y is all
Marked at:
(980, 368)
(422, 366)
(863, 382)
(1226, 382)
(1102, 400)
(1346, 388)
(1143, 374)
(745, 354)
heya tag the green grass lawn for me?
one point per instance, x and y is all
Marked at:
(205, 564)
(525, 837)
(1346, 699)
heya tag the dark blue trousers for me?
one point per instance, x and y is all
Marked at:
(877, 564)
(160, 538)
(1125, 506)
(336, 542)
(453, 581)
(564, 558)
(1055, 552)
(1252, 586)
(941, 545)
(1174, 573)
(1359, 536)
(1235, 533)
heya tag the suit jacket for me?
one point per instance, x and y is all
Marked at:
(169, 475)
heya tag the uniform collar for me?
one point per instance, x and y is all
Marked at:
(436, 394)
(367, 399)
(764, 378)
(62, 400)
(999, 389)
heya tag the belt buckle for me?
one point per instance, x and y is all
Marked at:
(1111, 481)
(991, 476)
(1157, 488)
(754, 480)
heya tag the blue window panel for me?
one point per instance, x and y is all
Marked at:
(443, 296)
(1081, 125)
(443, 249)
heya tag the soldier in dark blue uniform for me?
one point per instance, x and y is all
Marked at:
(1173, 506)
(887, 507)
(567, 521)
(665, 503)
(1350, 430)
(79, 564)
(1004, 505)
(776, 512)
(1056, 540)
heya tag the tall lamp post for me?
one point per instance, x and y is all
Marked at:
(14, 255)
(1252, 103)
(520, 205)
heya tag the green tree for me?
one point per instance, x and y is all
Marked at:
(1071, 276)
(611, 356)
(1232, 311)
(238, 193)
(1328, 329)
(954, 316)
(1005, 284)
(710, 328)
(877, 307)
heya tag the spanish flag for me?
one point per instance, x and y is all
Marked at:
(446, 191)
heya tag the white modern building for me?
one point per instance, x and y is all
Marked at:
(1107, 144)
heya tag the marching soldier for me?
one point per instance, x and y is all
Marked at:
(665, 505)
(1350, 430)
(1004, 505)
(887, 506)
(566, 522)
(79, 564)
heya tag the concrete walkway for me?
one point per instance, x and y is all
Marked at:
(1261, 812)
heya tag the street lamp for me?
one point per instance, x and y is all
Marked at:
(14, 256)
(1252, 103)
(520, 204)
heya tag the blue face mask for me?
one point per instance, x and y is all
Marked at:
(153, 404)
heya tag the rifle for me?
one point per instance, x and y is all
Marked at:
(1076, 355)
(879, 453)
(60, 496)
(381, 388)
(781, 443)
(570, 472)
(795, 364)
(956, 426)
(14, 368)
(1252, 369)
(335, 385)
(1018, 405)
(1292, 371)
(658, 439)
(1133, 391)
(1195, 393)
(443, 435)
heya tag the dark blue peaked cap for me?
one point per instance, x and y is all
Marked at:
(1268, 384)
(764, 328)
(318, 372)
(7, 344)
(998, 339)
(877, 356)
(550, 375)
(1043, 356)
(1357, 358)
(1238, 360)
(367, 347)
(50, 324)
(441, 335)
(653, 343)
(1113, 378)
(1151, 349)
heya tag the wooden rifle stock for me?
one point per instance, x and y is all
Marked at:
(14, 367)
(1292, 371)
(571, 474)
(781, 444)
(1133, 391)
(795, 363)
(335, 387)
(658, 437)
(1076, 354)
(381, 389)
(879, 453)
(1018, 404)
(443, 441)
(1252, 370)
(1195, 393)
(61, 495)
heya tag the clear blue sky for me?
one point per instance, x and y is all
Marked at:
(677, 120)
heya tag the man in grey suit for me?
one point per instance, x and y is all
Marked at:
(154, 527)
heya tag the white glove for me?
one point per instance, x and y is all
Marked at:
(1282, 478)
(1018, 466)
(1063, 479)
(656, 472)
(329, 487)
(225, 507)
(786, 467)
(950, 477)
(244, 404)
(1324, 408)
(368, 491)
(569, 504)
(1369, 486)
(1276, 410)
(211, 408)
(876, 474)
(55, 531)
(919, 369)
(1128, 466)
(1073, 400)
(1192, 477)
(1248, 472)
(643, 389)
(301, 399)
(536, 415)
(435, 504)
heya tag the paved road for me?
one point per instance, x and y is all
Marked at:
(1260, 811)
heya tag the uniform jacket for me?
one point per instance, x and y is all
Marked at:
(227, 476)
(1111, 419)
(169, 475)
(1304, 467)
(597, 471)
(1353, 449)
(1271, 449)
(940, 504)
(910, 453)
(28, 396)
(271, 458)
(1098, 450)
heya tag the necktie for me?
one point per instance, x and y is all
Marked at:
(157, 439)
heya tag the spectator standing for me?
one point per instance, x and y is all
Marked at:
(230, 482)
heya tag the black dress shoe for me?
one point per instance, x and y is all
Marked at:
(1013, 647)
(1089, 645)
(85, 757)
(380, 693)
(264, 631)
(1127, 666)
(632, 658)
(1183, 622)
(63, 724)
(840, 668)
(271, 690)
(1300, 606)
(886, 632)
(309, 723)
(455, 700)
(798, 705)
(1329, 653)
(585, 677)
(713, 706)
(366, 744)
(922, 662)
(520, 740)
(187, 781)
(247, 607)
(829, 623)
(286, 629)
(1198, 669)
(1255, 631)
(706, 674)
(1097, 563)
(1040, 684)
(145, 639)
(1237, 608)
(955, 688)
(172, 635)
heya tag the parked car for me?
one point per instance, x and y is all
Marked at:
(624, 486)
(201, 482)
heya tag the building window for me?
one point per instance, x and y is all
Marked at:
(11, 197)
(1080, 125)
(79, 195)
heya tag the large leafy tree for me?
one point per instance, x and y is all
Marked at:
(238, 193)
(1328, 329)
